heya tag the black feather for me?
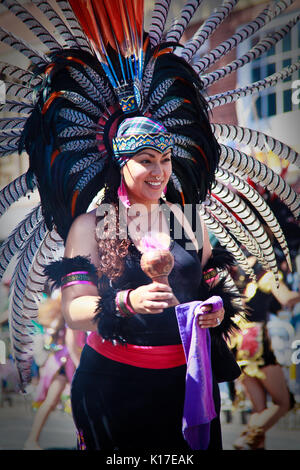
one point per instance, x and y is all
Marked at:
(56, 270)
(195, 177)
(109, 323)
(222, 260)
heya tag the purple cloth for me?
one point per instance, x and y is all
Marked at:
(199, 407)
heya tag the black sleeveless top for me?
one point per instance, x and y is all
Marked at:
(259, 305)
(184, 279)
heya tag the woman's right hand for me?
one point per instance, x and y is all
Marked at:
(152, 298)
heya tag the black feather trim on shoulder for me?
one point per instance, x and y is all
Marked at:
(221, 259)
(224, 365)
(58, 269)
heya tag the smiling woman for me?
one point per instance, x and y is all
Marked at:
(146, 175)
(129, 308)
(103, 108)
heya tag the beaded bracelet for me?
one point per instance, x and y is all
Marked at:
(76, 277)
(123, 306)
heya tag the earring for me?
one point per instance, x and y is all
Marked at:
(122, 194)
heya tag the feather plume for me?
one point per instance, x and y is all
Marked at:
(75, 29)
(226, 240)
(87, 85)
(85, 162)
(180, 24)
(207, 29)
(59, 25)
(15, 106)
(159, 93)
(14, 191)
(13, 73)
(25, 303)
(79, 145)
(19, 91)
(20, 321)
(256, 139)
(259, 173)
(18, 237)
(168, 108)
(77, 117)
(89, 173)
(36, 57)
(260, 205)
(82, 103)
(254, 53)
(12, 123)
(158, 21)
(272, 10)
(233, 95)
(240, 232)
(257, 230)
(32, 24)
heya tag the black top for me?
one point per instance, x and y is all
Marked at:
(259, 305)
(184, 279)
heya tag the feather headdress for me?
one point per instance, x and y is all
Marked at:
(98, 68)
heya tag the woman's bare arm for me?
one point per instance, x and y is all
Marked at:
(207, 251)
(79, 301)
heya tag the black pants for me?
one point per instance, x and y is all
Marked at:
(119, 407)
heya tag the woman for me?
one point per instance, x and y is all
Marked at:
(64, 346)
(116, 404)
(113, 69)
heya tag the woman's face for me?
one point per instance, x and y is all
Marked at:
(146, 174)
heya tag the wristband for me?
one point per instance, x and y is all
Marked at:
(210, 276)
(123, 306)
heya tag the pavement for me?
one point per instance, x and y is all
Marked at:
(17, 416)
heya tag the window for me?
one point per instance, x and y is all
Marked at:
(287, 51)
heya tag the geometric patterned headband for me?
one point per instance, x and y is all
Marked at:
(135, 134)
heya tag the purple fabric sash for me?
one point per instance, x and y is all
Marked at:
(199, 407)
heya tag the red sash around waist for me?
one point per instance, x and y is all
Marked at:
(149, 357)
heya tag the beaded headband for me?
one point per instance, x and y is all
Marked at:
(135, 134)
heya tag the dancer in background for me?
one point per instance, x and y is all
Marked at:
(262, 374)
(64, 348)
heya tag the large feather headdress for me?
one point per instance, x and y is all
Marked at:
(101, 68)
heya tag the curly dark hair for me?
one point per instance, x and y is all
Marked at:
(112, 248)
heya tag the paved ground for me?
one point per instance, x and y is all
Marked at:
(59, 432)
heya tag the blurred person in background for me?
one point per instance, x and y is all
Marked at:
(262, 374)
(8, 374)
(63, 348)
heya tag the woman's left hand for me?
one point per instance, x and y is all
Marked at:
(209, 320)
